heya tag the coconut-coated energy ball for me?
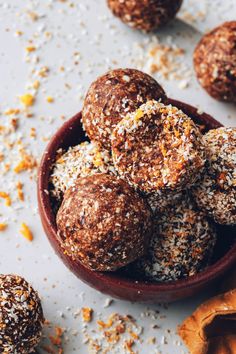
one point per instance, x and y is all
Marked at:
(181, 246)
(157, 148)
(78, 161)
(21, 316)
(216, 193)
(159, 201)
(146, 15)
(103, 223)
(215, 62)
(111, 97)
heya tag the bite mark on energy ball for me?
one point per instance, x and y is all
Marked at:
(158, 148)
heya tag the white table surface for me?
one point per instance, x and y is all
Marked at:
(84, 38)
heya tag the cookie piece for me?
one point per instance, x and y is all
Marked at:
(21, 316)
(215, 62)
(216, 193)
(111, 97)
(157, 148)
(145, 15)
(103, 223)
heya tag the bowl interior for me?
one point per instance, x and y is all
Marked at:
(70, 134)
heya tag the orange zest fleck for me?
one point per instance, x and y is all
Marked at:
(20, 193)
(27, 99)
(28, 162)
(50, 99)
(30, 49)
(7, 198)
(3, 226)
(26, 232)
(12, 111)
(87, 314)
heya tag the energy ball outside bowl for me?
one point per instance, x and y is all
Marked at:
(216, 193)
(146, 15)
(78, 161)
(181, 246)
(158, 148)
(215, 62)
(21, 316)
(111, 97)
(103, 223)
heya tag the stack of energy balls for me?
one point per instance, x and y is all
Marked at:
(145, 194)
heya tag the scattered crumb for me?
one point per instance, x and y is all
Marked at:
(27, 100)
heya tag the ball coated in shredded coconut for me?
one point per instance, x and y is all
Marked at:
(146, 15)
(21, 316)
(181, 246)
(216, 193)
(157, 148)
(103, 223)
(111, 97)
(79, 161)
(215, 62)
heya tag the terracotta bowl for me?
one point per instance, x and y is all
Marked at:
(117, 284)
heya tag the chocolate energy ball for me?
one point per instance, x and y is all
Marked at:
(181, 246)
(111, 97)
(161, 200)
(146, 15)
(216, 193)
(215, 62)
(103, 223)
(21, 316)
(79, 161)
(157, 148)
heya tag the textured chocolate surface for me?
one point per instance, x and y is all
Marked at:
(181, 246)
(111, 97)
(215, 62)
(146, 15)
(216, 193)
(21, 316)
(103, 223)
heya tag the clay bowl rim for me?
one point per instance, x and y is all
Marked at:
(48, 220)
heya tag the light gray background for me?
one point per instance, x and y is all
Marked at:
(87, 40)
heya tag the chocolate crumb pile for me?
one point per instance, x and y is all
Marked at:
(21, 316)
(181, 246)
(79, 161)
(157, 148)
(215, 62)
(216, 194)
(146, 15)
(103, 223)
(111, 97)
